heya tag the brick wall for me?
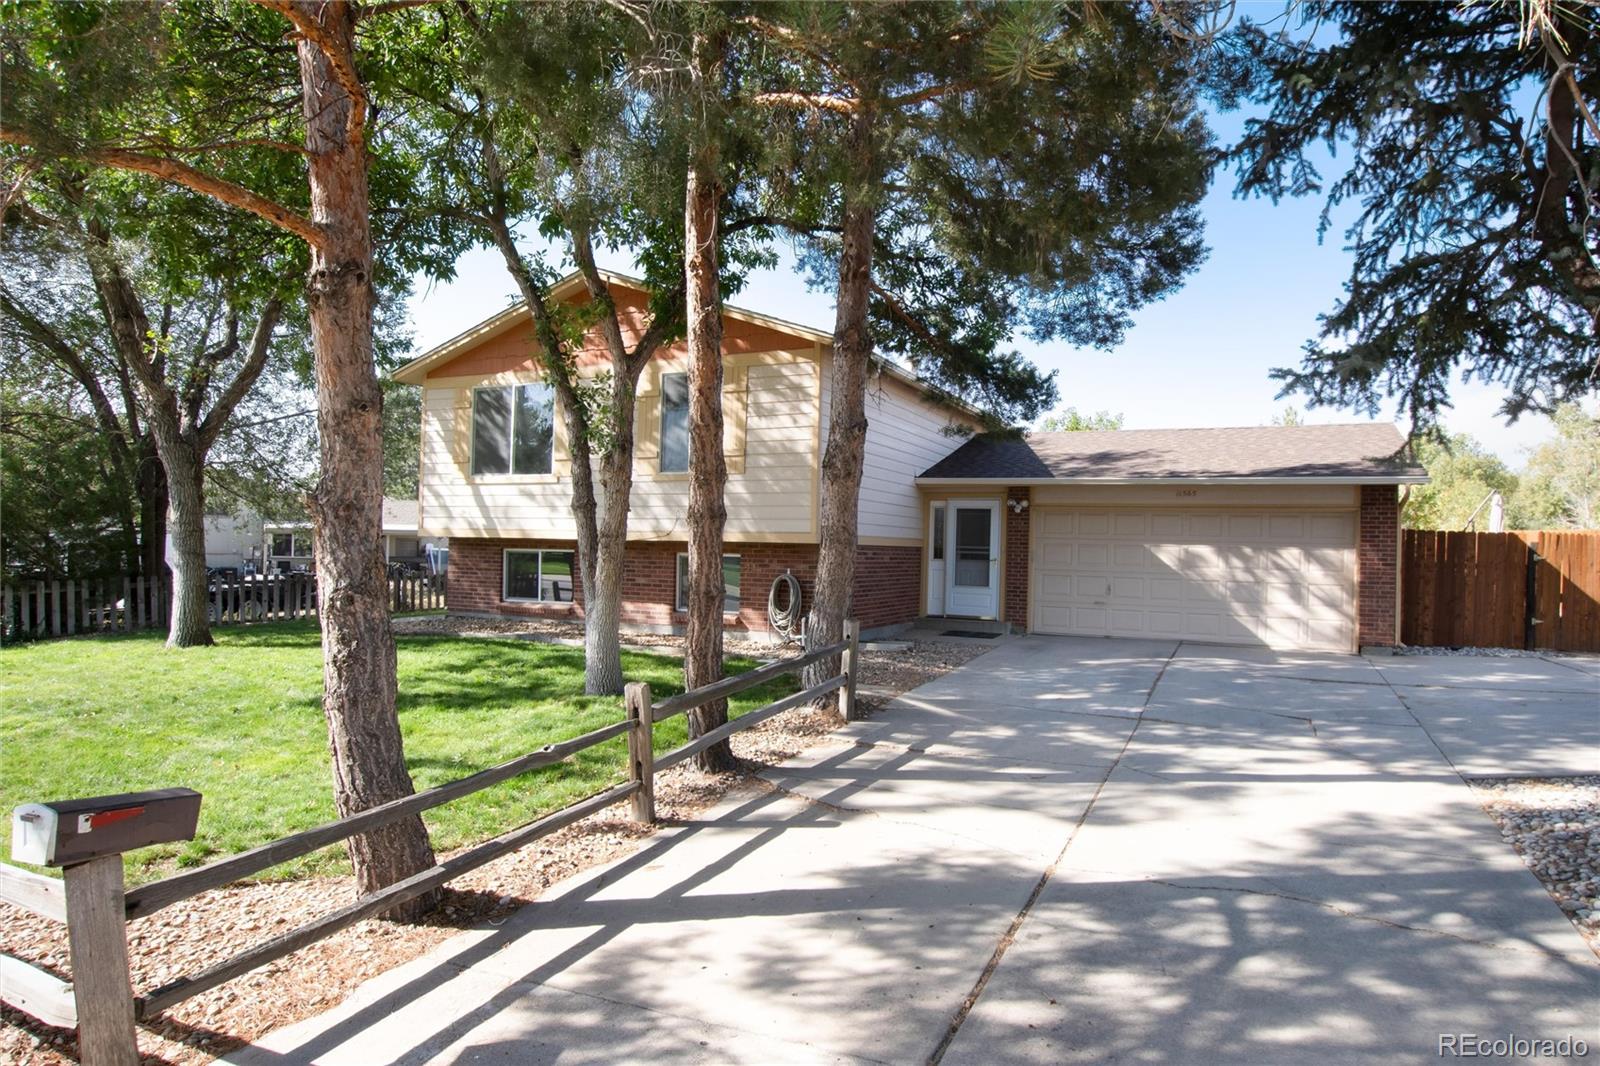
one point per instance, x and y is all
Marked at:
(1015, 587)
(885, 586)
(475, 580)
(1376, 566)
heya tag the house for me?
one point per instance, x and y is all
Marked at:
(286, 545)
(231, 540)
(1285, 536)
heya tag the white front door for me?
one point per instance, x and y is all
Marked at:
(936, 556)
(972, 559)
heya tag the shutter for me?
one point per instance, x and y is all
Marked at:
(560, 453)
(647, 421)
(735, 400)
(458, 424)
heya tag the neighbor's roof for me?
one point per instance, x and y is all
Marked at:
(1353, 453)
(414, 372)
(399, 516)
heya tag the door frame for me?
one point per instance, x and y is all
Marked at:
(993, 505)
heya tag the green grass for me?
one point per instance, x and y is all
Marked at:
(242, 724)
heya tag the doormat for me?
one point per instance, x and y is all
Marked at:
(971, 634)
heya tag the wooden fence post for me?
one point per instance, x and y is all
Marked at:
(98, 940)
(641, 750)
(849, 666)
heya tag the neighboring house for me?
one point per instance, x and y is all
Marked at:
(1280, 536)
(286, 546)
(231, 540)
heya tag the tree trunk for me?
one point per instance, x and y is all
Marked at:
(190, 624)
(847, 417)
(151, 480)
(369, 765)
(708, 467)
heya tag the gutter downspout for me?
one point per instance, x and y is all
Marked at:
(1399, 561)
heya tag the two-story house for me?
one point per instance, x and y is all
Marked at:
(1283, 536)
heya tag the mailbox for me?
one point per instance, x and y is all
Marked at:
(72, 831)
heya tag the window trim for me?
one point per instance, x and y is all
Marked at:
(511, 431)
(679, 574)
(505, 573)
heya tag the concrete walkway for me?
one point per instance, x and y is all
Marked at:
(1067, 850)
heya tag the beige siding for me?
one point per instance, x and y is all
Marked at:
(905, 435)
(772, 466)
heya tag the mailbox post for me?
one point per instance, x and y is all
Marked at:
(86, 838)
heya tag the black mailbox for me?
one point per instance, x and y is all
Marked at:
(72, 831)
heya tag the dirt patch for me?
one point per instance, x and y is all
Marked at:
(189, 936)
(1554, 823)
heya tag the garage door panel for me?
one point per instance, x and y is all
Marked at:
(1093, 555)
(1256, 576)
(1333, 529)
(1131, 556)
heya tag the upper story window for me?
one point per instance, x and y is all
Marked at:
(513, 429)
(674, 423)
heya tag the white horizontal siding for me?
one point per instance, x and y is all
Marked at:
(905, 436)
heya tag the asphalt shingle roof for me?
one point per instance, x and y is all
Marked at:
(1353, 450)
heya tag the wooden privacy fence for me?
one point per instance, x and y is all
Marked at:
(122, 604)
(1533, 590)
(91, 900)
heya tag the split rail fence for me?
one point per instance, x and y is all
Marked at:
(1531, 590)
(123, 604)
(92, 902)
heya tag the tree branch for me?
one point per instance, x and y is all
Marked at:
(245, 379)
(176, 173)
(807, 101)
(793, 225)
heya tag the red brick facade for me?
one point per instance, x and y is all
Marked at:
(1377, 567)
(885, 594)
(888, 580)
(1018, 524)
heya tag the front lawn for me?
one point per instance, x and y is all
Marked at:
(242, 723)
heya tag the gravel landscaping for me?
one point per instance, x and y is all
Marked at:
(1554, 823)
(198, 932)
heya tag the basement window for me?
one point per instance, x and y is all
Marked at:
(730, 583)
(529, 576)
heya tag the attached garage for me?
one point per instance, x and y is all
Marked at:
(1278, 536)
(1283, 578)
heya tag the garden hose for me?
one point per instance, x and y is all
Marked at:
(785, 620)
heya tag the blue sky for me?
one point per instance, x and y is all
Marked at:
(1201, 357)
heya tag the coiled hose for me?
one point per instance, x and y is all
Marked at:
(785, 620)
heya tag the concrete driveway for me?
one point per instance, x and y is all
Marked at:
(1067, 850)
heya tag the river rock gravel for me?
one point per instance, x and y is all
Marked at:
(1554, 824)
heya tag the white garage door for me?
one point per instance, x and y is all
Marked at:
(1286, 579)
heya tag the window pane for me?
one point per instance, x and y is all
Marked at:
(555, 576)
(972, 547)
(730, 584)
(535, 429)
(283, 544)
(302, 544)
(681, 602)
(491, 430)
(674, 422)
(522, 576)
(938, 533)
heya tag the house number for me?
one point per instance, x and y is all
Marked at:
(1188, 492)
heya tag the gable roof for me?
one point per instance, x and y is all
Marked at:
(1350, 453)
(415, 371)
(412, 373)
